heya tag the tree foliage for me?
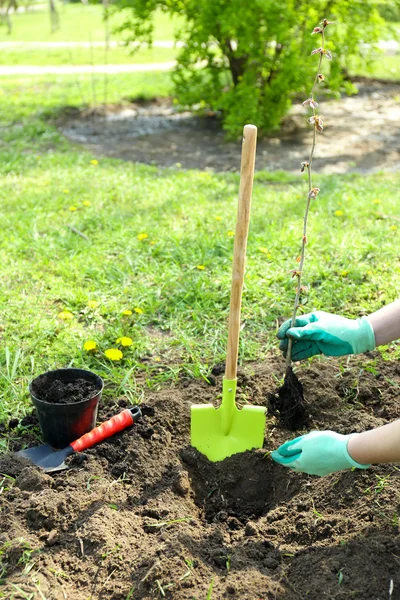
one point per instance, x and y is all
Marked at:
(248, 60)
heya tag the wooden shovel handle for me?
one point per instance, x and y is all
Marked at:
(239, 253)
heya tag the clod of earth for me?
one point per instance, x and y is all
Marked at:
(289, 403)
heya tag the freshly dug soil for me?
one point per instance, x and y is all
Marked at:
(288, 404)
(58, 392)
(144, 516)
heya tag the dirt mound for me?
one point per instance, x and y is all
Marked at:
(145, 516)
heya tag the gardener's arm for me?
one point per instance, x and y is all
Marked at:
(332, 335)
(325, 452)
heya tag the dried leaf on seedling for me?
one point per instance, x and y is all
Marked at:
(328, 54)
(317, 30)
(317, 121)
(310, 102)
(325, 23)
(317, 51)
(304, 165)
(320, 77)
(313, 193)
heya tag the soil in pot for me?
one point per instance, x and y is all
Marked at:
(59, 392)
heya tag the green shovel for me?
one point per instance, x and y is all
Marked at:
(219, 433)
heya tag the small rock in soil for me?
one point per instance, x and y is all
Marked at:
(181, 485)
(52, 538)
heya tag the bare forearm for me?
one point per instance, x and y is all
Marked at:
(380, 445)
(386, 323)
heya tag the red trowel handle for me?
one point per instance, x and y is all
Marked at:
(125, 419)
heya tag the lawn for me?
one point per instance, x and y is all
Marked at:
(78, 23)
(158, 243)
(85, 56)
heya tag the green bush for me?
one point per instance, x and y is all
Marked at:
(390, 10)
(248, 60)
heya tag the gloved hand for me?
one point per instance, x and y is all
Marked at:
(322, 333)
(317, 453)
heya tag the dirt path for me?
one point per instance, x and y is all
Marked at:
(362, 134)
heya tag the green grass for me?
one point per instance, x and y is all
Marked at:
(386, 67)
(47, 268)
(84, 56)
(78, 22)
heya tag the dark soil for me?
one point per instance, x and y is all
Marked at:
(144, 516)
(59, 392)
(289, 403)
(356, 135)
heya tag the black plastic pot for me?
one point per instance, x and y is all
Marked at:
(61, 424)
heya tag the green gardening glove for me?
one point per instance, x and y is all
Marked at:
(317, 453)
(322, 333)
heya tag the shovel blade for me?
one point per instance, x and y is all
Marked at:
(246, 431)
(48, 459)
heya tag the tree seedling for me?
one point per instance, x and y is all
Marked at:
(290, 400)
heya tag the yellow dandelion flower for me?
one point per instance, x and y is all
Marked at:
(338, 213)
(125, 341)
(127, 312)
(66, 191)
(393, 227)
(376, 201)
(138, 310)
(157, 359)
(152, 243)
(94, 162)
(231, 233)
(263, 250)
(87, 203)
(200, 267)
(344, 273)
(90, 345)
(73, 208)
(93, 304)
(113, 354)
(218, 218)
(65, 315)
(142, 236)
